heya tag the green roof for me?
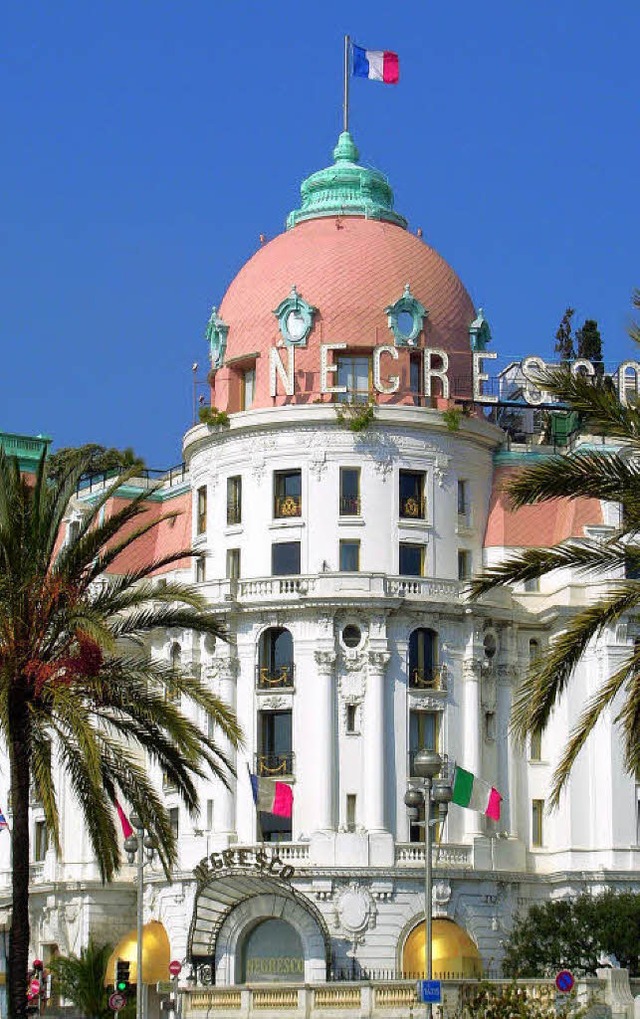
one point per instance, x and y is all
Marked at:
(27, 448)
(346, 189)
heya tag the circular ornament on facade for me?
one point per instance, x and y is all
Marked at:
(355, 908)
(351, 636)
(405, 319)
(295, 319)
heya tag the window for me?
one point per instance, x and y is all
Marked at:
(287, 494)
(464, 564)
(354, 373)
(73, 531)
(201, 510)
(535, 745)
(423, 671)
(168, 782)
(174, 821)
(534, 650)
(285, 558)
(233, 563)
(210, 815)
(275, 757)
(349, 556)
(201, 569)
(248, 388)
(352, 714)
(234, 500)
(351, 812)
(537, 812)
(349, 491)
(532, 586)
(411, 484)
(411, 560)
(415, 378)
(463, 502)
(40, 841)
(351, 635)
(424, 733)
(275, 659)
(175, 659)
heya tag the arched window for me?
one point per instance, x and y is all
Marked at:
(534, 649)
(275, 659)
(423, 669)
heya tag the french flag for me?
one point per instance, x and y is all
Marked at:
(377, 65)
(272, 797)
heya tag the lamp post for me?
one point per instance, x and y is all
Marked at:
(139, 849)
(436, 791)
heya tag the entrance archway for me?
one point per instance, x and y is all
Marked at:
(455, 955)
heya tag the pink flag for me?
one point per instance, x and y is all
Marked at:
(127, 830)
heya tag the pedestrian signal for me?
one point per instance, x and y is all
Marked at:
(123, 976)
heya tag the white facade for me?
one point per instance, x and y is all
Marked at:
(340, 719)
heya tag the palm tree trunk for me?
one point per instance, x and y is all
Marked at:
(20, 757)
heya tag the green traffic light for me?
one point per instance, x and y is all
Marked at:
(122, 985)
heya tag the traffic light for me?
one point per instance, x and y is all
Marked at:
(122, 975)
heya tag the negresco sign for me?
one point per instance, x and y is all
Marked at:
(261, 860)
(435, 373)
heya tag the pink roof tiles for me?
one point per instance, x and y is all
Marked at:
(350, 269)
(542, 525)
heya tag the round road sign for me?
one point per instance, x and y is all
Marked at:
(117, 1001)
(565, 981)
(175, 967)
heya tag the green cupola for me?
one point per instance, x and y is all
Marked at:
(346, 189)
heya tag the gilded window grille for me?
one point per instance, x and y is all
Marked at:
(275, 765)
(278, 677)
(289, 506)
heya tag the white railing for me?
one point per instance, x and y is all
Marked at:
(332, 585)
(373, 998)
(411, 854)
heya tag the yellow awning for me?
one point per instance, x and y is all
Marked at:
(156, 955)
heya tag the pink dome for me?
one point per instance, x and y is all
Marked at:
(350, 269)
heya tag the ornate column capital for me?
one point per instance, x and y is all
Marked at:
(378, 660)
(325, 661)
(471, 669)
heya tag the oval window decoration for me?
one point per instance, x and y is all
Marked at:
(295, 319)
(406, 318)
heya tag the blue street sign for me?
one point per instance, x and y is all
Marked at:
(429, 991)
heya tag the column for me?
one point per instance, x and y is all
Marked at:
(506, 778)
(323, 736)
(472, 734)
(225, 822)
(374, 759)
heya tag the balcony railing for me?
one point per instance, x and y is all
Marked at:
(350, 506)
(275, 765)
(432, 678)
(234, 512)
(288, 506)
(412, 507)
(278, 678)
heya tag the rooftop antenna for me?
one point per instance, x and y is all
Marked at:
(345, 95)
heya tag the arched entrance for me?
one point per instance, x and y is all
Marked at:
(271, 952)
(233, 930)
(455, 955)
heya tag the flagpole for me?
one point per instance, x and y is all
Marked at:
(345, 96)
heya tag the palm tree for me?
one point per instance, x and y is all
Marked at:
(78, 685)
(613, 475)
(80, 979)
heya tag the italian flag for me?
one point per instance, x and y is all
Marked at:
(472, 792)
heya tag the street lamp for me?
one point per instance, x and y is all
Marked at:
(139, 849)
(436, 791)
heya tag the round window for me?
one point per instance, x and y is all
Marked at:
(351, 635)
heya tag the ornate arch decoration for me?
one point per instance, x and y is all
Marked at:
(219, 896)
(295, 319)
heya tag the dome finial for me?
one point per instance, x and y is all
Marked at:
(345, 151)
(346, 189)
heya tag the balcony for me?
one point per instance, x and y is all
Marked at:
(288, 506)
(412, 508)
(278, 678)
(350, 506)
(280, 765)
(433, 678)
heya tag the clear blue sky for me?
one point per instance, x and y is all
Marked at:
(148, 144)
